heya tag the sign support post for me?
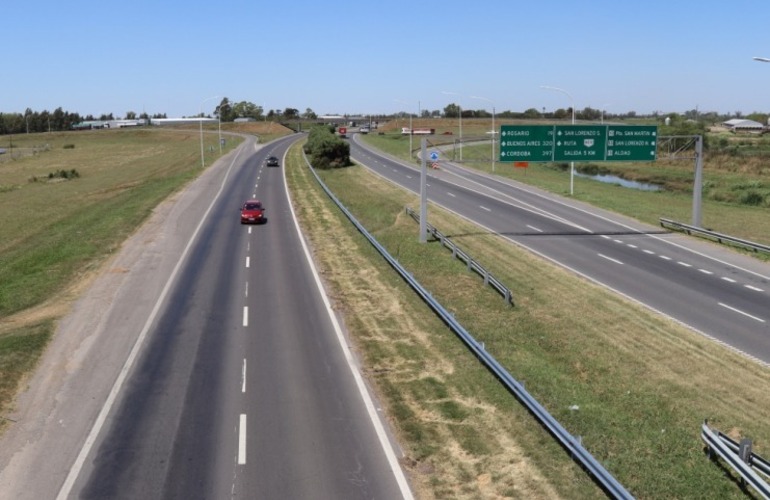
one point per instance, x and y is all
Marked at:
(424, 193)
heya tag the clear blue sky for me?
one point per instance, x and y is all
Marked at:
(167, 56)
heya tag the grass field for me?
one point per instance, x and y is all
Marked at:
(56, 231)
(635, 386)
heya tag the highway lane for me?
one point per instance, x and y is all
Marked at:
(244, 387)
(719, 293)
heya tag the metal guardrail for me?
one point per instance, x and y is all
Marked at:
(489, 279)
(719, 237)
(573, 445)
(730, 451)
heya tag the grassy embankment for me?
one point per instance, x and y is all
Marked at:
(736, 185)
(634, 385)
(58, 228)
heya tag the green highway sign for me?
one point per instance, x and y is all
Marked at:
(579, 143)
(526, 143)
(632, 142)
(547, 143)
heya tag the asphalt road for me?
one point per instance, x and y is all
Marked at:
(215, 370)
(717, 292)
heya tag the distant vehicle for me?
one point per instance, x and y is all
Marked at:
(343, 131)
(272, 161)
(418, 131)
(252, 212)
(364, 130)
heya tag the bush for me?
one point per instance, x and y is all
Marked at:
(326, 150)
(69, 146)
(752, 198)
(64, 174)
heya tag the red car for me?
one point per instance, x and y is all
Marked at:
(252, 212)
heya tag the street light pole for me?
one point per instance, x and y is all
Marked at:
(459, 106)
(494, 130)
(572, 163)
(411, 131)
(603, 108)
(200, 124)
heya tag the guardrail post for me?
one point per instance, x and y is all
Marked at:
(744, 453)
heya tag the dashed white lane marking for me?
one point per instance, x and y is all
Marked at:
(243, 376)
(752, 287)
(535, 228)
(705, 271)
(730, 280)
(248, 261)
(485, 208)
(245, 315)
(742, 312)
(665, 257)
(685, 264)
(242, 440)
(452, 195)
(246, 292)
(632, 246)
(609, 259)
(648, 252)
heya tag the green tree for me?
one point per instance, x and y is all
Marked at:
(452, 111)
(225, 111)
(325, 149)
(532, 113)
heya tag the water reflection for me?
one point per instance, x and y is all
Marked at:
(614, 179)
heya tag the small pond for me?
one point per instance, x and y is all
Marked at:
(614, 179)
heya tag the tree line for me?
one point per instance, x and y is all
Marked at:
(227, 111)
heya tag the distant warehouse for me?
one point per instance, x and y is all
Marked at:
(741, 125)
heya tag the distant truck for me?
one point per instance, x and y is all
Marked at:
(418, 131)
(343, 131)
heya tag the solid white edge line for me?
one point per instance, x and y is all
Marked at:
(77, 466)
(242, 440)
(741, 312)
(387, 447)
